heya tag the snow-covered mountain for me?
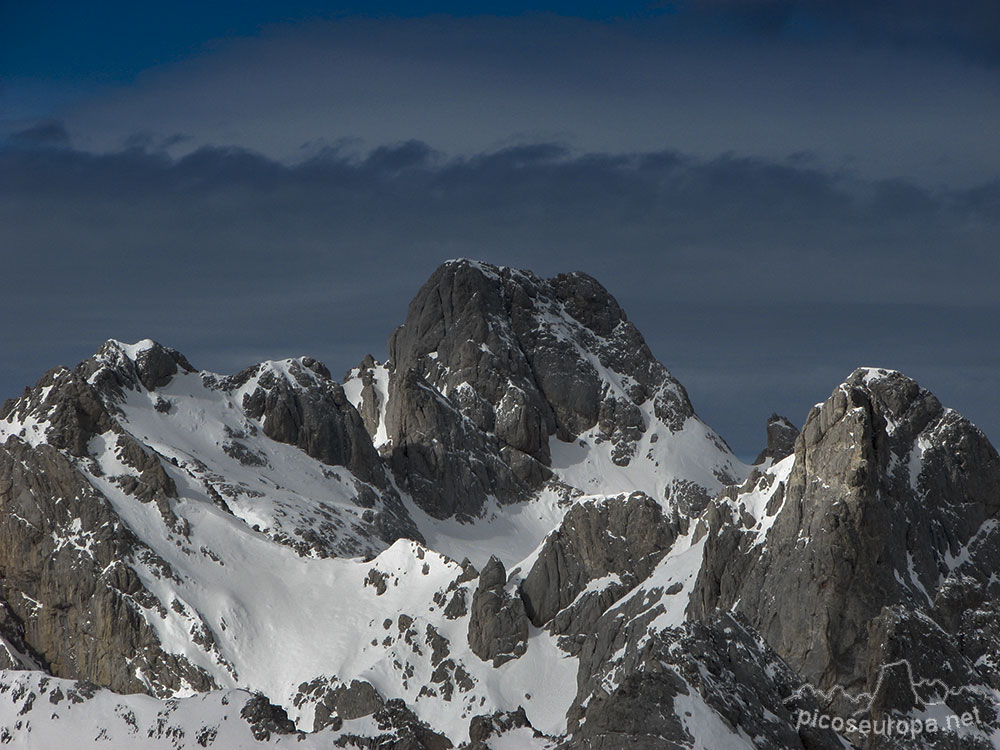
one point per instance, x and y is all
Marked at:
(515, 533)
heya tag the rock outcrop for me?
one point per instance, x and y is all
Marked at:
(891, 501)
(617, 543)
(781, 435)
(498, 627)
(302, 406)
(630, 671)
(72, 601)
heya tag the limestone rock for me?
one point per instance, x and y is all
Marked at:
(491, 363)
(307, 409)
(498, 627)
(265, 718)
(69, 592)
(336, 702)
(621, 539)
(630, 671)
(781, 434)
(370, 407)
(484, 728)
(887, 491)
(302, 406)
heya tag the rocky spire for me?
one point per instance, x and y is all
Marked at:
(781, 434)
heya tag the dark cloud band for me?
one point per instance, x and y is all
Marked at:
(232, 256)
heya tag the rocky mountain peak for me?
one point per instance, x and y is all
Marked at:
(148, 364)
(781, 435)
(495, 363)
(887, 497)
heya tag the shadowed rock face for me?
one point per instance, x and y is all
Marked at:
(112, 370)
(624, 538)
(71, 409)
(886, 505)
(67, 582)
(630, 673)
(498, 627)
(304, 407)
(781, 435)
(309, 410)
(491, 362)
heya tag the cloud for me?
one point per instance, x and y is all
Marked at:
(225, 209)
(776, 191)
(730, 265)
(969, 29)
(46, 134)
(703, 84)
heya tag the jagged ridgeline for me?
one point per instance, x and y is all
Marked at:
(515, 533)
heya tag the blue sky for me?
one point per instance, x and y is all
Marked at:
(777, 192)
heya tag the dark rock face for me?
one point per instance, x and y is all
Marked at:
(265, 718)
(447, 459)
(892, 495)
(371, 404)
(310, 411)
(72, 408)
(112, 370)
(156, 365)
(781, 435)
(622, 537)
(498, 627)
(491, 362)
(70, 596)
(400, 729)
(630, 673)
(336, 702)
(484, 728)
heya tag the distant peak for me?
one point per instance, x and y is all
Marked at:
(153, 363)
(781, 436)
(869, 375)
(892, 389)
(130, 350)
(479, 265)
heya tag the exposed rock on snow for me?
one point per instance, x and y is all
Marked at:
(498, 627)
(615, 542)
(890, 501)
(270, 558)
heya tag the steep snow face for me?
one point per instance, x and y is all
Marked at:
(508, 532)
(222, 456)
(676, 467)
